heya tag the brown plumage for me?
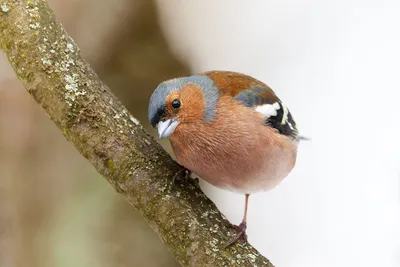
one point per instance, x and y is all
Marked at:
(239, 145)
(228, 128)
(232, 83)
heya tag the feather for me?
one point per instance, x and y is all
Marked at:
(256, 94)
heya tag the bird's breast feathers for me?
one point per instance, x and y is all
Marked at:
(236, 151)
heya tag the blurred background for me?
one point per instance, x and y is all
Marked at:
(335, 65)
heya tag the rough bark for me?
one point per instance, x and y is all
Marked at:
(48, 63)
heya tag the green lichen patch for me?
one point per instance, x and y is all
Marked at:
(110, 166)
(72, 89)
(4, 8)
(34, 16)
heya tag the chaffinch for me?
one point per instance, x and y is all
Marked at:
(228, 128)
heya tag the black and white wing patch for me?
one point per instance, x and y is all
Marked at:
(278, 116)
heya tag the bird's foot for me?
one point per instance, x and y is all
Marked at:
(179, 173)
(241, 233)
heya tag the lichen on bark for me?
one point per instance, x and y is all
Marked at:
(48, 63)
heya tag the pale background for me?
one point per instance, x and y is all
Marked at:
(335, 64)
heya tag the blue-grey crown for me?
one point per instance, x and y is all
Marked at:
(157, 105)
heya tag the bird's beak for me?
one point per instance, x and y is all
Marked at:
(166, 128)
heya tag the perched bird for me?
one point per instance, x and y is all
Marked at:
(228, 128)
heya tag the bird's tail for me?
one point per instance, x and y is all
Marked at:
(304, 138)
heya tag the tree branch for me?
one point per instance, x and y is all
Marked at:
(48, 63)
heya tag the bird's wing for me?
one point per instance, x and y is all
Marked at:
(256, 94)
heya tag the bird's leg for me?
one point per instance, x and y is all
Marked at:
(241, 229)
(182, 170)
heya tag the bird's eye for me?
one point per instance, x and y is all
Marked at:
(176, 103)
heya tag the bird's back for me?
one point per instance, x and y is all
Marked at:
(256, 94)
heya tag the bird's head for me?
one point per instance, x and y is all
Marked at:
(182, 100)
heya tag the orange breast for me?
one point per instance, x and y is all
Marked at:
(236, 151)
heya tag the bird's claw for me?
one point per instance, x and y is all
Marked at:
(241, 233)
(187, 175)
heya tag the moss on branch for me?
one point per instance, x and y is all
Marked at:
(48, 63)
